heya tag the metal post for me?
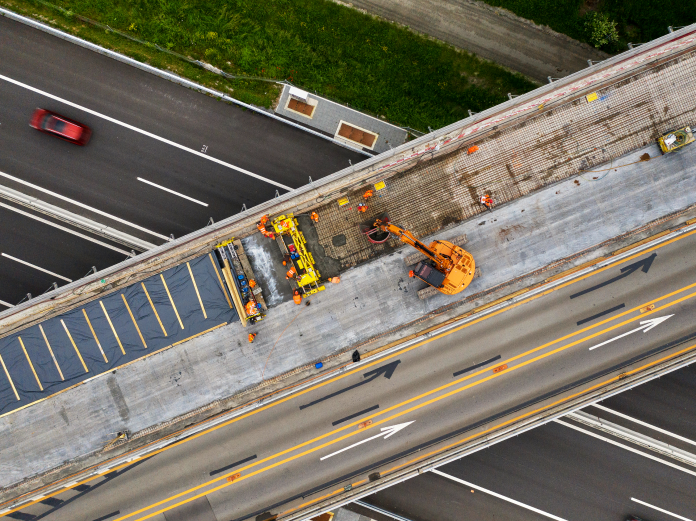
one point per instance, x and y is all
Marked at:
(310, 180)
(278, 193)
(550, 79)
(630, 45)
(244, 208)
(669, 28)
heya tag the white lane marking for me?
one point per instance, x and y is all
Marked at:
(34, 266)
(645, 326)
(386, 432)
(631, 449)
(660, 509)
(495, 494)
(6, 304)
(645, 424)
(68, 230)
(145, 132)
(171, 191)
(82, 205)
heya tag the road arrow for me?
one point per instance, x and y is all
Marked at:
(387, 370)
(386, 432)
(645, 326)
(625, 272)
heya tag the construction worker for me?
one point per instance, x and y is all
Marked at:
(286, 259)
(369, 193)
(297, 298)
(487, 201)
(261, 226)
(251, 308)
(335, 280)
(362, 208)
(251, 337)
(291, 274)
(314, 216)
(252, 283)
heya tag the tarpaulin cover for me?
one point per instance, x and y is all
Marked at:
(65, 350)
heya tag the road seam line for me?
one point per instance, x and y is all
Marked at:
(34, 266)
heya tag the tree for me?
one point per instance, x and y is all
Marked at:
(600, 29)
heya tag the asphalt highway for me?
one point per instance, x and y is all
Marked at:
(416, 402)
(148, 135)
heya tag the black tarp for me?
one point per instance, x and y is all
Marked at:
(67, 359)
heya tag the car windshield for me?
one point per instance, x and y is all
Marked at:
(53, 124)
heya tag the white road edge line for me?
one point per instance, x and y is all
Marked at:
(68, 230)
(660, 509)
(145, 133)
(495, 494)
(7, 304)
(82, 205)
(171, 191)
(644, 424)
(34, 266)
(631, 449)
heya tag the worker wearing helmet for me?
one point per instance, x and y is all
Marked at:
(362, 208)
(291, 274)
(314, 216)
(297, 298)
(251, 337)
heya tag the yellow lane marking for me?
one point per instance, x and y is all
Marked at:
(195, 286)
(108, 319)
(95, 336)
(7, 373)
(172, 301)
(133, 319)
(398, 353)
(30, 364)
(217, 272)
(384, 420)
(51, 351)
(507, 422)
(153, 308)
(74, 345)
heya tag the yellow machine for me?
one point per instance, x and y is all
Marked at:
(449, 268)
(677, 139)
(292, 242)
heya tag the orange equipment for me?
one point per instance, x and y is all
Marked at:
(449, 268)
(314, 216)
(251, 337)
(471, 150)
(368, 194)
(296, 297)
(362, 208)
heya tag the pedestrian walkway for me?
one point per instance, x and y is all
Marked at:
(144, 318)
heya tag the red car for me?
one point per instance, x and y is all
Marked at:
(60, 126)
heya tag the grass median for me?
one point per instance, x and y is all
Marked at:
(374, 66)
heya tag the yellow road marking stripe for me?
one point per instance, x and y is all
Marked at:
(30, 364)
(217, 272)
(74, 345)
(95, 336)
(384, 420)
(380, 360)
(153, 308)
(108, 319)
(133, 319)
(195, 286)
(51, 351)
(7, 373)
(172, 301)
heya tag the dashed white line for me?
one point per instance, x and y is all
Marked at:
(145, 132)
(6, 304)
(495, 494)
(34, 266)
(631, 449)
(171, 191)
(68, 230)
(645, 424)
(660, 509)
(82, 205)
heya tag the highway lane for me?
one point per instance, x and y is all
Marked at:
(277, 450)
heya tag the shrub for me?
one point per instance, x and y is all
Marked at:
(600, 29)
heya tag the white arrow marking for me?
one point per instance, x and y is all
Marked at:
(645, 326)
(386, 432)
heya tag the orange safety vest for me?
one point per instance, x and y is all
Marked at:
(251, 308)
(314, 216)
(291, 273)
(251, 337)
(297, 298)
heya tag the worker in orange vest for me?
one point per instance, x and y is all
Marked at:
(487, 201)
(251, 337)
(296, 297)
(261, 226)
(362, 208)
(291, 274)
(369, 193)
(335, 280)
(251, 308)
(314, 216)
(252, 283)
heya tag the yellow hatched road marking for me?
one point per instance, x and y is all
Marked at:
(52, 355)
(172, 301)
(394, 407)
(217, 272)
(133, 319)
(74, 345)
(30, 364)
(195, 286)
(7, 373)
(94, 335)
(112, 327)
(153, 308)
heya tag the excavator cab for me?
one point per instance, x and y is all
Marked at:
(428, 274)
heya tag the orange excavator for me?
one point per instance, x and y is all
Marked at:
(448, 268)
